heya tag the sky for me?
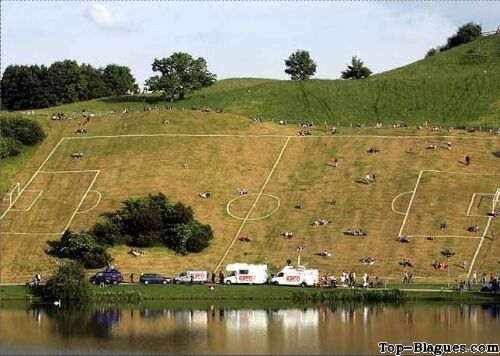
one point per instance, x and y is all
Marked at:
(238, 39)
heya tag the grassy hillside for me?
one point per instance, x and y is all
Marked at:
(278, 168)
(444, 89)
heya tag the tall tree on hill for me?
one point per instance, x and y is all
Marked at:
(466, 33)
(95, 85)
(118, 79)
(67, 83)
(300, 65)
(180, 74)
(356, 70)
(25, 87)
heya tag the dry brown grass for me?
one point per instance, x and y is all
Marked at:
(135, 166)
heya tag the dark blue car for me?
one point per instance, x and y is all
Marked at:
(109, 276)
(153, 278)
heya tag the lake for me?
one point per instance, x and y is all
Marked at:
(157, 327)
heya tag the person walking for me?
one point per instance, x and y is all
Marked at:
(221, 277)
(474, 277)
(405, 278)
(410, 278)
(213, 277)
(132, 277)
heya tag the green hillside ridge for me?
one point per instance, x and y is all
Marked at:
(442, 89)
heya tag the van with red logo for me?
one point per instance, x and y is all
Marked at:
(244, 273)
(300, 276)
(187, 277)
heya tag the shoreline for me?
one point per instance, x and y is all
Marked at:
(127, 293)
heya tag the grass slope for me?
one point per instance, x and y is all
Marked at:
(441, 89)
(137, 165)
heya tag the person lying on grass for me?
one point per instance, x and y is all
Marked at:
(287, 234)
(320, 222)
(350, 232)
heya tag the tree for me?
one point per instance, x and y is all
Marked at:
(81, 247)
(68, 284)
(356, 70)
(466, 33)
(67, 83)
(95, 87)
(118, 79)
(431, 52)
(300, 65)
(180, 74)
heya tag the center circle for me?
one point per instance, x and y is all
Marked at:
(228, 206)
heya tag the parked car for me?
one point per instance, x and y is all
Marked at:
(108, 276)
(187, 277)
(153, 278)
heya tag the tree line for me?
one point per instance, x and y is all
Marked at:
(143, 222)
(466, 33)
(63, 82)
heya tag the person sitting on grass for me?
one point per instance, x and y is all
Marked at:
(447, 253)
(204, 195)
(325, 253)
(298, 205)
(443, 226)
(245, 238)
(431, 147)
(403, 239)
(242, 191)
(287, 234)
(431, 238)
(473, 229)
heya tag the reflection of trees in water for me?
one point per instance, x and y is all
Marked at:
(492, 310)
(84, 320)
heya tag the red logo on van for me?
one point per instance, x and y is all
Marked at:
(245, 278)
(293, 278)
(198, 275)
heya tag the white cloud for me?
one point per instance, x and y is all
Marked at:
(106, 19)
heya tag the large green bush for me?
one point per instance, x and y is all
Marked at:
(143, 222)
(16, 132)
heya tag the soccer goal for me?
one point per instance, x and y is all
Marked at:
(12, 194)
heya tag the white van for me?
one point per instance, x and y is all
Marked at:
(300, 276)
(200, 277)
(244, 273)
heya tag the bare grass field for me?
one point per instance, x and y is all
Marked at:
(415, 190)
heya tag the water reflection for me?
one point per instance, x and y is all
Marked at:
(321, 329)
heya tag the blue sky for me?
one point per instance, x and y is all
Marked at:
(238, 39)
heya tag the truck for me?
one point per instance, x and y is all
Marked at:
(187, 277)
(300, 276)
(244, 273)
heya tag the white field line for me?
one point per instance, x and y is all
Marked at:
(254, 203)
(30, 233)
(33, 176)
(228, 210)
(271, 135)
(464, 173)
(410, 203)
(96, 204)
(32, 203)
(472, 201)
(81, 201)
(448, 236)
(62, 172)
(495, 199)
(394, 200)
(470, 205)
